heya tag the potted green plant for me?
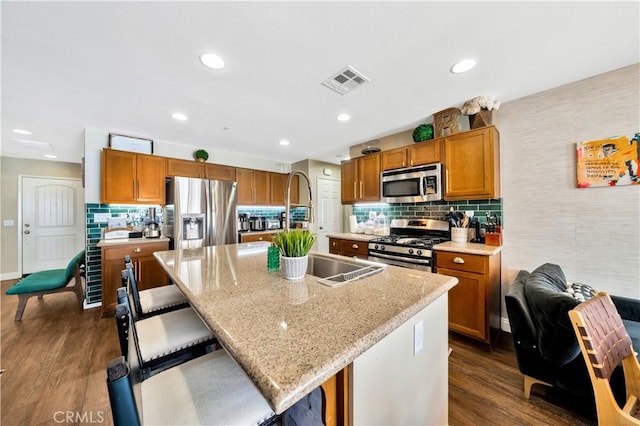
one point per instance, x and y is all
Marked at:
(294, 246)
(201, 155)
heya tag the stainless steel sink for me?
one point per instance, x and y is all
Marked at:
(334, 272)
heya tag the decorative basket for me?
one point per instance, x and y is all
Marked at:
(481, 119)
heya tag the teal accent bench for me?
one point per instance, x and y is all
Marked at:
(48, 282)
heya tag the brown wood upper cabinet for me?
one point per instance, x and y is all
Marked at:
(219, 172)
(361, 179)
(279, 189)
(253, 187)
(196, 169)
(472, 165)
(127, 177)
(184, 168)
(415, 155)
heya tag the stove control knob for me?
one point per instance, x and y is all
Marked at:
(410, 251)
(419, 253)
(381, 247)
(375, 247)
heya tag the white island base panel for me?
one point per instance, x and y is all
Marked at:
(391, 385)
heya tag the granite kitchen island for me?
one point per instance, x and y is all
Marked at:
(290, 337)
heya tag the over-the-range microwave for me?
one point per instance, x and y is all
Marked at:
(412, 185)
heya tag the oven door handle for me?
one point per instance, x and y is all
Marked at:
(400, 259)
(423, 185)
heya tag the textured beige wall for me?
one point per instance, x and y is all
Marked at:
(593, 234)
(10, 169)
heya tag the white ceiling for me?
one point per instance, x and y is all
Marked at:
(125, 67)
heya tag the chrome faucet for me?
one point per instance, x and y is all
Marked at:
(288, 202)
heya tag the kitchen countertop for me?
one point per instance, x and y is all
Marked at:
(351, 236)
(131, 241)
(268, 231)
(470, 248)
(291, 336)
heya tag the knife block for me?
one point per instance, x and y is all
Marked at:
(493, 238)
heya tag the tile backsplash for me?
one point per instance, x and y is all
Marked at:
(135, 216)
(429, 210)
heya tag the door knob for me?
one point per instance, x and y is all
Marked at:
(321, 227)
(26, 225)
(27, 232)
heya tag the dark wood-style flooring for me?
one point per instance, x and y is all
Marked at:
(54, 372)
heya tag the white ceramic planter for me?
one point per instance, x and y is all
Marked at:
(294, 268)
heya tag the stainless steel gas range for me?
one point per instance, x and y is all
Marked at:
(410, 243)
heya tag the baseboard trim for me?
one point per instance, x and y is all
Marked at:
(10, 276)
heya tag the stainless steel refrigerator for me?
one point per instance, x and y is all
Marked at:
(201, 212)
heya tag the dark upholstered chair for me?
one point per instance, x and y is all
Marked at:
(210, 390)
(49, 282)
(152, 301)
(162, 341)
(545, 344)
(605, 345)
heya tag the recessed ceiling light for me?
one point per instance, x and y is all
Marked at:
(211, 60)
(463, 66)
(179, 116)
(343, 117)
(22, 132)
(51, 156)
(284, 142)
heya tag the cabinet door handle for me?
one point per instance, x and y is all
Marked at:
(458, 260)
(360, 189)
(447, 178)
(139, 272)
(137, 250)
(354, 246)
(355, 193)
(137, 189)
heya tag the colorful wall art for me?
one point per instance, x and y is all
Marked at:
(608, 162)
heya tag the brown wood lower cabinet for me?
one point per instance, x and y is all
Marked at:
(251, 237)
(349, 248)
(474, 303)
(147, 271)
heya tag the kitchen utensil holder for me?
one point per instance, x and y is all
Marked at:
(459, 235)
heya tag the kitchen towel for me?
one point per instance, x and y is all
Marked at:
(353, 224)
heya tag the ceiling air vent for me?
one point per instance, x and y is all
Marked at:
(345, 81)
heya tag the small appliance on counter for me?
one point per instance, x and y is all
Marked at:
(243, 222)
(273, 224)
(283, 219)
(258, 223)
(152, 229)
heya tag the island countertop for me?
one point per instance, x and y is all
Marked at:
(291, 336)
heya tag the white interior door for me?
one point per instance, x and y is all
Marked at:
(52, 222)
(329, 211)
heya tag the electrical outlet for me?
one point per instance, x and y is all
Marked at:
(418, 337)
(7, 222)
(101, 217)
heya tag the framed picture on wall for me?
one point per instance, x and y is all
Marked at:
(608, 162)
(130, 143)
